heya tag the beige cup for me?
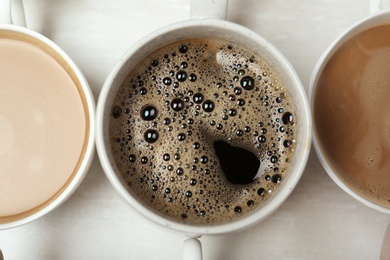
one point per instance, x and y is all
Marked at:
(46, 122)
(377, 18)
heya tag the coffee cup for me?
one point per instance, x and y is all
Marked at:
(47, 117)
(347, 91)
(159, 87)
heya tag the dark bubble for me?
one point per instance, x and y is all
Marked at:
(261, 192)
(176, 156)
(240, 102)
(237, 209)
(276, 178)
(167, 190)
(151, 136)
(287, 143)
(144, 160)
(166, 157)
(154, 188)
(179, 171)
(237, 91)
(116, 111)
(140, 83)
(132, 158)
(143, 91)
(287, 118)
(262, 139)
(192, 77)
(149, 113)
(183, 49)
(188, 194)
(198, 98)
(247, 83)
(204, 159)
(184, 65)
(250, 203)
(181, 137)
(208, 106)
(167, 81)
(166, 121)
(177, 104)
(184, 216)
(239, 132)
(181, 76)
(193, 182)
(196, 145)
(274, 159)
(232, 112)
(154, 63)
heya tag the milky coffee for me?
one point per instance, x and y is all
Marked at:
(202, 131)
(43, 125)
(352, 113)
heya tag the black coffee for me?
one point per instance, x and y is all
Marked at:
(202, 131)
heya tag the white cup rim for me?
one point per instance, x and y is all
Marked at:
(192, 230)
(90, 147)
(375, 19)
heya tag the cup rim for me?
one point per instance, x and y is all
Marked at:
(193, 230)
(372, 20)
(90, 141)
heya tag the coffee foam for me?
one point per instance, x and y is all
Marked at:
(203, 91)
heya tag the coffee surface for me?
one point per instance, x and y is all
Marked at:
(202, 131)
(352, 113)
(42, 128)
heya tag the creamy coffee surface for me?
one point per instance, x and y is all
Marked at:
(352, 113)
(42, 127)
(202, 131)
